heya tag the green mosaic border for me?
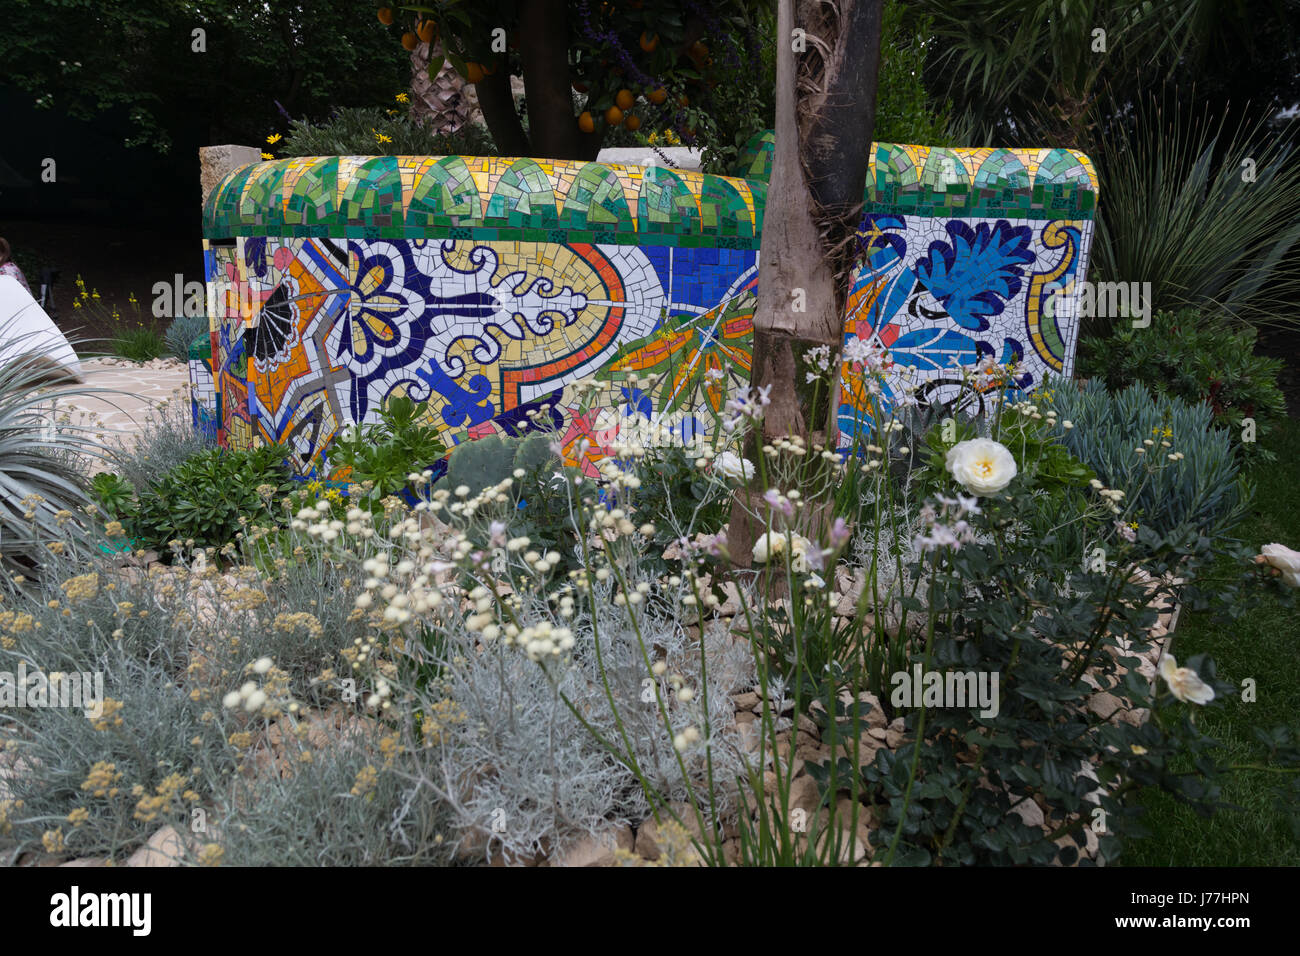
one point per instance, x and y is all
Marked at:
(445, 202)
(522, 208)
(1061, 189)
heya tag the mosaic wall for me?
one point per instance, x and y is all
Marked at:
(489, 286)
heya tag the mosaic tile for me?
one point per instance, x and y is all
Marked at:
(488, 286)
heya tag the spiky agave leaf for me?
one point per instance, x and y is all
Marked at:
(1207, 213)
(43, 474)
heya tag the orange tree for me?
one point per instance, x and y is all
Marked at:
(592, 70)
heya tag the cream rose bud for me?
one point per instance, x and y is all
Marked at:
(799, 548)
(1285, 560)
(984, 466)
(1184, 682)
(768, 546)
(733, 466)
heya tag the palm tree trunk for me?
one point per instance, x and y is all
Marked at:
(444, 102)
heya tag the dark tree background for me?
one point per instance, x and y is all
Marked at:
(116, 93)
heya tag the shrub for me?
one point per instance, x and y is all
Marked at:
(270, 785)
(1197, 359)
(166, 438)
(139, 345)
(1202, 490)
(493, 459)
(182, 333)
(209, 498)
(387, 452)
(356, 131)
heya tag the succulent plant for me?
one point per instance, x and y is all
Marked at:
(490, 460)
(1203, 489)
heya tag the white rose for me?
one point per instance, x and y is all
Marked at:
(1285, 560)
(768, 546)
(799, 548)
(1184, 682)
(733, 466)
(984, 466)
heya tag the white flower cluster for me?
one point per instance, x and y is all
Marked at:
(251, 696)
(873, 359)
(540, 640)
(1113, 496)
(749, 405)
(820, 361)
(316, 522)
(1031, 411)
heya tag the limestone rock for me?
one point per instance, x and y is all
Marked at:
(591, 850)
(165, 848)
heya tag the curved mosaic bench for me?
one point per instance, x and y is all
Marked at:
(489, 285)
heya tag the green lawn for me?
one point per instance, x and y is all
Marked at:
(1266, 647)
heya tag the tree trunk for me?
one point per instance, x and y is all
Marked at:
(825, 116)
(497, 101)
(552, 127)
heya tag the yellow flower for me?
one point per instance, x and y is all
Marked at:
(268, 155)
(211, 854)
(53, 840)
(381, 138)
(402, 98)
(367, 779)
(273, 138)
(652, 138)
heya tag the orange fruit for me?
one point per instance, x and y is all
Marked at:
(632, 122)
(649, 42)
(624, 100)
(410, 41)
(386, 16)
(697, 50)
(613, 116)
(658, 96)
(684, 100)
(585, 122)
(474, 73)
(426, 31)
